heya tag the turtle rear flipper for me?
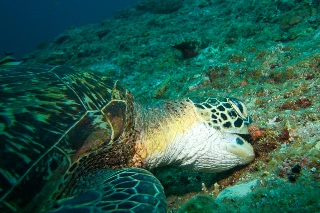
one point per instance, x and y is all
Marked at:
(124, 190)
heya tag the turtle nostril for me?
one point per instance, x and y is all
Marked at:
(246, 137)
(239, 141)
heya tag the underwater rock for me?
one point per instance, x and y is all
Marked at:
(237, 191)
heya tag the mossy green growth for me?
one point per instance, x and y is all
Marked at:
(273, 194)
(204, 204)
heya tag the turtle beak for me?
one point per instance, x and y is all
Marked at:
(239, 147)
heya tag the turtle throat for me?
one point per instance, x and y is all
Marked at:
(157, 126)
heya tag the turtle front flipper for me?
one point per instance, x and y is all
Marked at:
(124, 190)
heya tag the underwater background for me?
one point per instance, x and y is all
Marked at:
(28, 24)
(266, 53)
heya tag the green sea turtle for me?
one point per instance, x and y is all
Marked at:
(74, 141)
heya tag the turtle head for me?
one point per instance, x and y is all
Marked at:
(202, 135)
(225, 121)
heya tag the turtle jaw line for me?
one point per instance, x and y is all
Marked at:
(240, 147)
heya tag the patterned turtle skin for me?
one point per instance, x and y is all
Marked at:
(76, 141)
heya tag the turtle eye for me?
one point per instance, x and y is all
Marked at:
(240, 109)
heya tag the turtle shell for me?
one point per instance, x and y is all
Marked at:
(50, 117)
